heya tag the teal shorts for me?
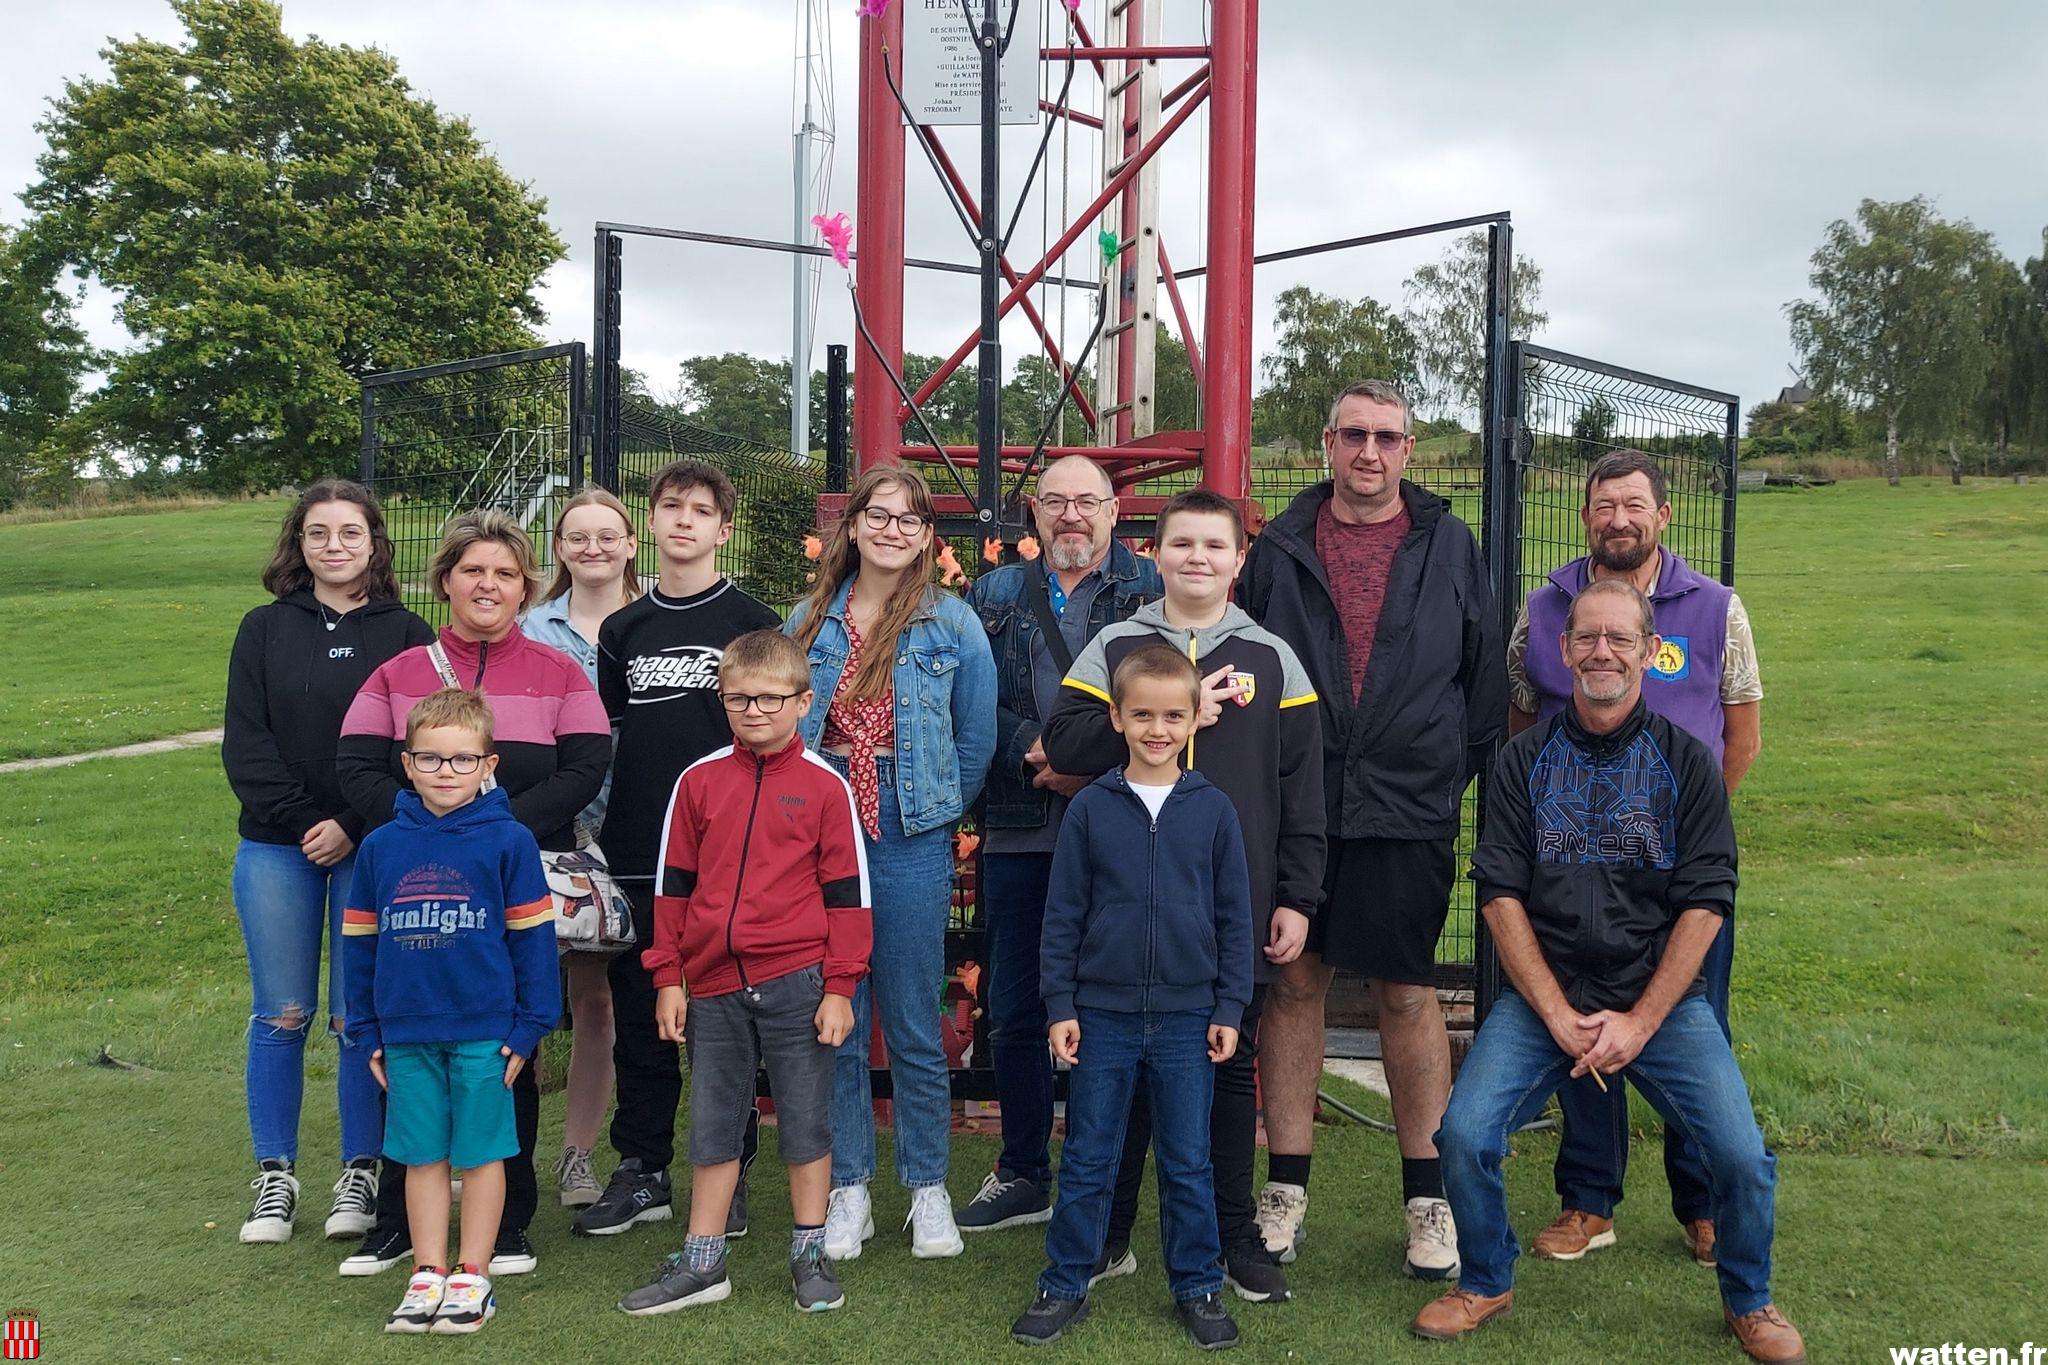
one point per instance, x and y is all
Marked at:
(448, 1102)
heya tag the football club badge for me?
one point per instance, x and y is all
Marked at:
(1247, 684)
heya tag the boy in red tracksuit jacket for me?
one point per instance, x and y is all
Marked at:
(761, 905)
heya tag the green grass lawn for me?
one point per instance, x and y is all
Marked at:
(1891, 1006)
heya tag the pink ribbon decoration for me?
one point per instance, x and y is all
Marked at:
(872, 9)
(837, 232)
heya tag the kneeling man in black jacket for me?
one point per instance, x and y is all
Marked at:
(1605, 868)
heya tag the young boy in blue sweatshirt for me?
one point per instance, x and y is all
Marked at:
(1146, 970)
(451, 982)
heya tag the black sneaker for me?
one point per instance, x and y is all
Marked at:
(1208, 1322)
(512, 1253)
(1254, 1272)
(631, 1196)
(1002, 1203)
(1114, 1263)
(675, 1286)
(277, 1203)
(382, 1248)
(816, 1280)
(1047, 1320)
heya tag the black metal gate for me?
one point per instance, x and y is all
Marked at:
(501, 431)
(1566, 411)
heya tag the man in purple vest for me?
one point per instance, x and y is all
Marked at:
(1704, 679)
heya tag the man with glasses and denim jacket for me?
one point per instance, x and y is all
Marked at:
(1381, 592)
(1705, 679)
(1082, 580)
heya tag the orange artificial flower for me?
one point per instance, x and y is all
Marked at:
(813, 547)
(1028, 547)
(951, 574)
(964, 844)
(992, 550)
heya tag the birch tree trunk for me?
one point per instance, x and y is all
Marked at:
(1891, 449)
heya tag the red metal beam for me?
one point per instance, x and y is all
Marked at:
(877, 430)
(1131, 454)
(1060, 110)
(1081, 224)
(1052, 350)
(1180, 313)
(1129, 52)
(1227, 390)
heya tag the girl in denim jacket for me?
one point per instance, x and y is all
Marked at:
(905, 710)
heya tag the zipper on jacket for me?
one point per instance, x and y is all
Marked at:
(483, 654)
(1151, 909)
(740, 877)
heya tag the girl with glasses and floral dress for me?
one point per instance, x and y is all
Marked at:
(905, 710)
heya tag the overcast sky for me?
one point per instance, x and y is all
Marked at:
(1671, 168)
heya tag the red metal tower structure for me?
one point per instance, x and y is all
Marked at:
(1225, 79)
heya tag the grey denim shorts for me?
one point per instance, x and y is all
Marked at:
(728, 1036)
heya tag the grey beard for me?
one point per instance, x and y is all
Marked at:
(1066, 559)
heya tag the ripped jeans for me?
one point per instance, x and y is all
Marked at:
(286, 903)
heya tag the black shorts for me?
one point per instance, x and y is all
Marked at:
(1384, 906)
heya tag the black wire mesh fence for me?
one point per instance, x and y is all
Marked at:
(501, 431)
(1575, 410)
(777, 497)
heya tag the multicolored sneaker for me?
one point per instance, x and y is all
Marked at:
(466, 1305)
(423, 1297)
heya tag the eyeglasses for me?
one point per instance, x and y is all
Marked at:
(1620, 641)
(1087, 505)
(426, 761)
(767, 702)
(878, 518)
(1386, 441)
(351, 537)
(605, 540)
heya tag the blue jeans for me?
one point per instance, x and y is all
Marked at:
(1170, 1052)
(911, 880)
(1686, 1070)
(1593, 1157)
(1013, 887)
(286, 902)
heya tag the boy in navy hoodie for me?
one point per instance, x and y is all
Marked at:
(1146, 971)
(452, 982)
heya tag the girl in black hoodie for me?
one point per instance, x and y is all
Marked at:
(297, 664)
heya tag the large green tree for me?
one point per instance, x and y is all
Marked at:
(278, 218)
(1900, 323)
(43, 357)
(1323, 344)
(2014, 405)
(1446, 310)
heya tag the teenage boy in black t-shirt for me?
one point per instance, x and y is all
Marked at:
(657, 672)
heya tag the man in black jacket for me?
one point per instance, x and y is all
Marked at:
(1382, 593)
(1605, 870)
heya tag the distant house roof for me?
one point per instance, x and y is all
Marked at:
(1797, 394)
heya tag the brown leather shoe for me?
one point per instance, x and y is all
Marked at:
(1699, 1240)
(1572, 1235)
(1766, 1336)
(1459, 1312)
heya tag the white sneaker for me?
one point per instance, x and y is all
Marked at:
(1432, 1240)
(423, 1294)
(277, 1202)
(933, 1233)
(1283, 1209)
(355, 1203)
(849, 1222)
